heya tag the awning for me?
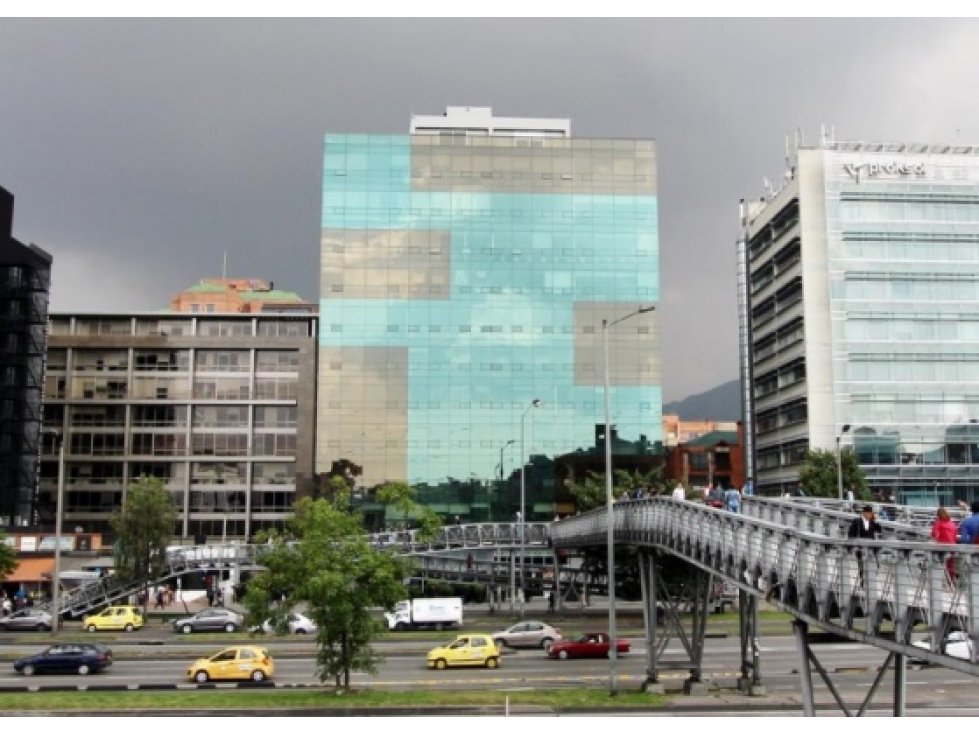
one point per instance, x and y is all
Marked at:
(32, 569)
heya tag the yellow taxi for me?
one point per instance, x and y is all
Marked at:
(242, 662)
(475, 649)
(114, 618)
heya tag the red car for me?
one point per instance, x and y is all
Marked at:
(588, 645)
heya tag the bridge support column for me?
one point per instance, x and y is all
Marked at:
(900, 683)
(700, 608)
(557, 601)
(665, 594)
(648, 583)
(750, 681)
(513, 579)
(801, 630)
(807, 661)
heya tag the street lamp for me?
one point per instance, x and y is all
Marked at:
(612, 649)
(535, 403)
(839, 460)
(56, 576)
(508, 443)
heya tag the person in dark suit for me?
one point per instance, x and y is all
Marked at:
(866, 526)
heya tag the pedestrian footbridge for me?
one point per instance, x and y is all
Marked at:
(797, 557)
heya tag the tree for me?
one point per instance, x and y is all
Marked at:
(818, 476)
(334, 572)
(592, 493)
(8, 558)
(402, 496)
(143, 530)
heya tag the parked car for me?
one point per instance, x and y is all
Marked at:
(527, 634)
(27, 619)
(957, 645)
(299, 624)
(466, 650)
(125, 618)
(78, 658)
(244, 662)
(588, 645)
(214, 619)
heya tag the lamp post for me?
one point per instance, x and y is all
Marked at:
(502, 448)
(535, 403)
(610, 521)
(839, 460)
(56, 575)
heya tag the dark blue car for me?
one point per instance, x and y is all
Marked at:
(81, 658)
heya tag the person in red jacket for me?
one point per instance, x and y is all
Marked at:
(943, 530)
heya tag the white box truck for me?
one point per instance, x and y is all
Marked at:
(424, 613)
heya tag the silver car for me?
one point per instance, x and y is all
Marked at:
(528, 634)
(27, 619)
(210, 619)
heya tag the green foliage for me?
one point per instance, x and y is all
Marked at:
(334, 489)
(332, 572)
(819, 479)
(143, 530)
(592, 493)
(8, 558)
(402, 496)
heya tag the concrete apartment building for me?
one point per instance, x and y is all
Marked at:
(859, 292)
(219, 406)
(466, 269)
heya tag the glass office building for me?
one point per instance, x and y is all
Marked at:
(864, 316)
(466, 269)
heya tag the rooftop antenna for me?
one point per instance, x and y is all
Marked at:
(788, 160)
(224, 269)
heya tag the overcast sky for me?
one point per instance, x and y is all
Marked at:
(140, 151)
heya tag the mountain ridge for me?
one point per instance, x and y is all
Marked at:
(721, 403)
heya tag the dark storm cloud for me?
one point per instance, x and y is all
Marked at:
(140, 151)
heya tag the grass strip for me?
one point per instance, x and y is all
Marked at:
(326, 698)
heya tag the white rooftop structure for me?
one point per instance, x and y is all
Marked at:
(480, 121)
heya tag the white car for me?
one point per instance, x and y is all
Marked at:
(957, 645)
(299, 624)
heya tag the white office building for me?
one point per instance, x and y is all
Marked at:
(860, 317)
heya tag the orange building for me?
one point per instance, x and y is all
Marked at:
(238, 295)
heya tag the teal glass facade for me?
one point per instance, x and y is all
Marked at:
(464, 277)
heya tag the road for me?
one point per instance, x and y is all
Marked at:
(854, 667)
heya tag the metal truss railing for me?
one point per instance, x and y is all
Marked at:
(99, 592)
(181, 559)
(833, 518)
(857, 588)
(476, 535)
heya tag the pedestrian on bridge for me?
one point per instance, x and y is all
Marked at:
(969, 529)
(732, 499)
(866, 526)
(943, 530)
